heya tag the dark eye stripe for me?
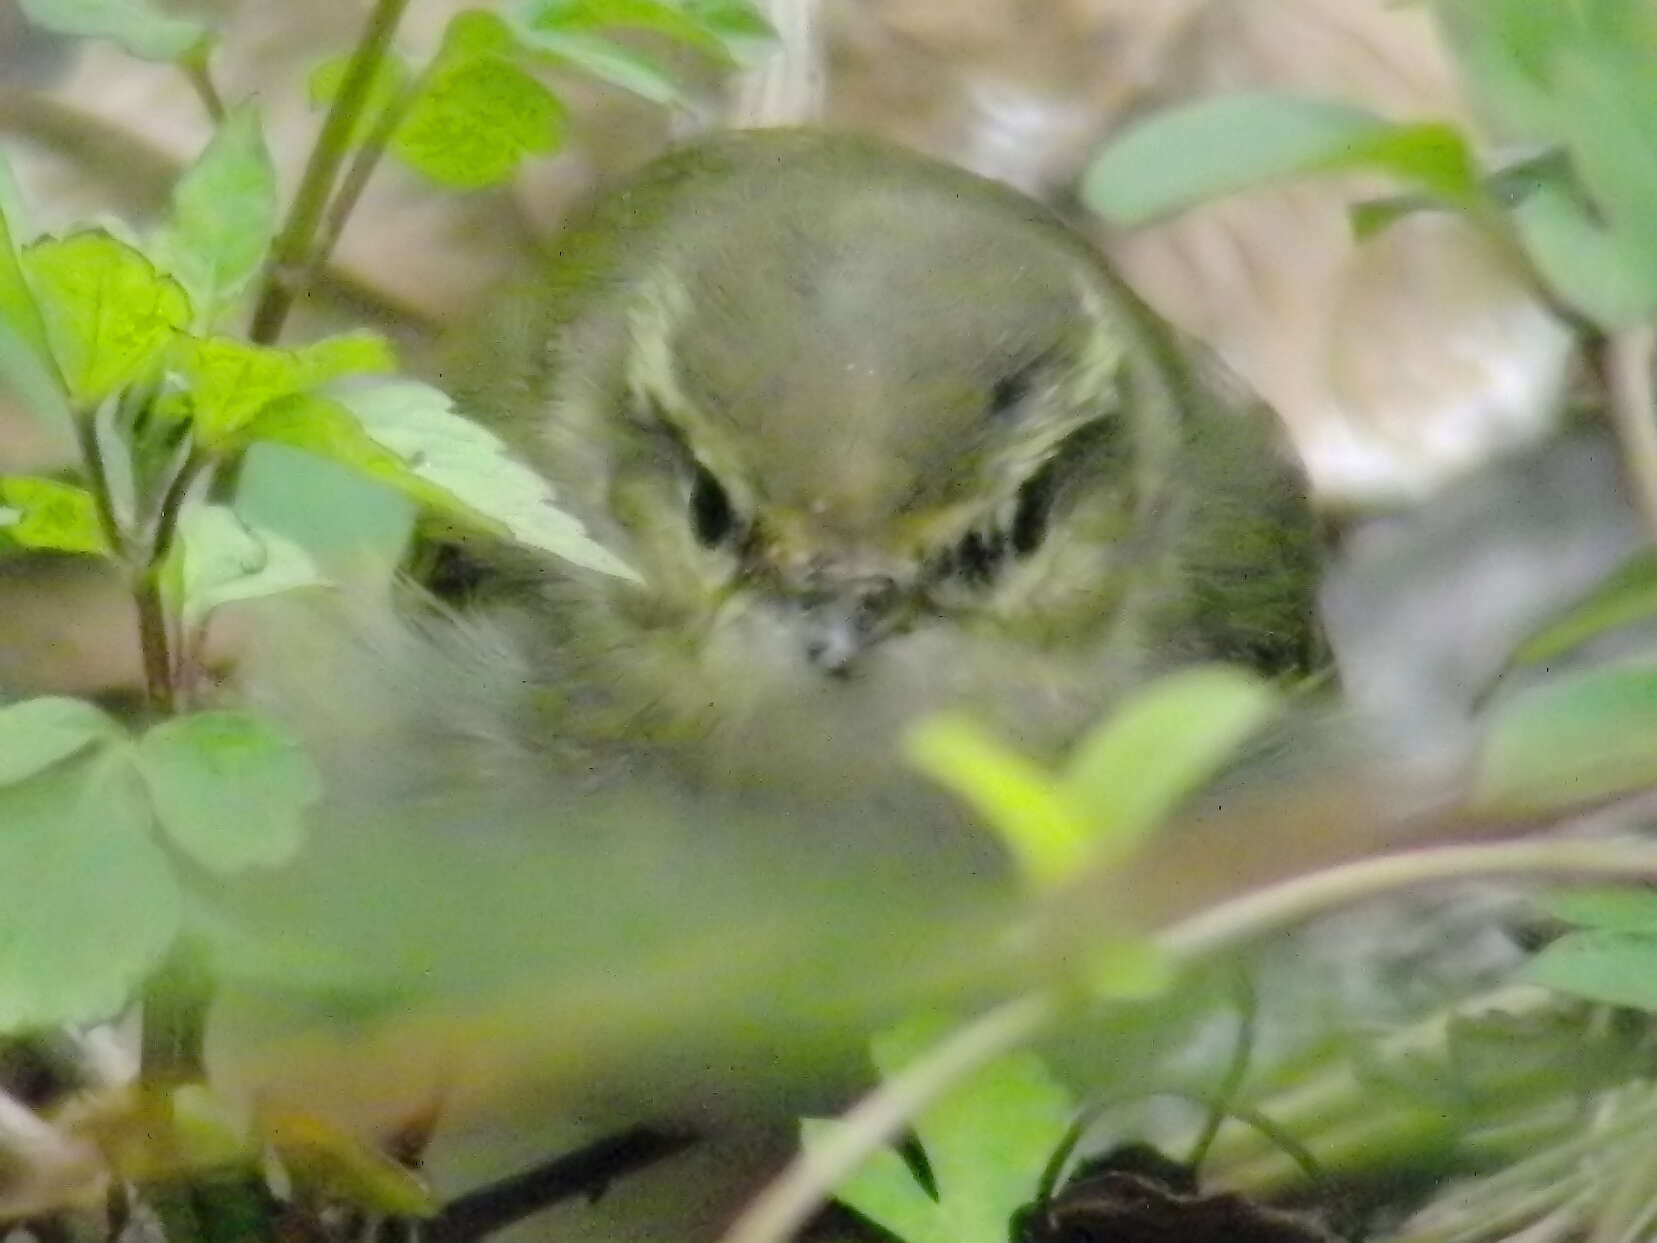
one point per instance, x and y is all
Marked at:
(710, 509)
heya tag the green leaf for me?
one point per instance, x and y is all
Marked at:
(108, 313)
(1627, 597)
(135, 25)
(88, 902)
(390, 77)
(223, 215)
(231, 789)
(37, 733)
(53, 515)
(229, 380)
(26, 366)
(1613, 968)
(987, 1143)
(1132, 771)
(676, 22)
(1612, 910)
(738, 24)
(607, 61)
(407, 435)
(1213, 147)
(219, 559)
(1025, 806)
(473, 123)
(1578, 739)
(1597, 271)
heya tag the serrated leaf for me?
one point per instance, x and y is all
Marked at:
(53, 515)
(1578, 739)
(1200, 151)
(88, 902)
(231, 789)
(607, 61)
(37, 733)
(987, 1143)
(1132, 771)
(135, 25)
(407, 434)
(219, 559)
(473, 123)
(223, 215)
(390, 77)
(228, 381)
(1613, 968)
(1025, 806)
(107, 312)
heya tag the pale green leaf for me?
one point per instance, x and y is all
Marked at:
(473, 123)
(1574, 740)
(223, 215)
(231, 789)
(1025, 806)
(88, 902)
(136, 25)
(26, 366)
(1613, 968)
(607, 61)
(986, 1142)
(408, 435)
(1598, 271)
(1614, 910)
(1629, 596)
(53, 515)
(37, 733)
(108, 313)
(1131, 772)
(219, 559)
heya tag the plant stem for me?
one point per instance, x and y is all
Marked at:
(361, 168)
(290, 252)
(1626, 359)
(790, 1199)
(194, 67)
(173, 1039)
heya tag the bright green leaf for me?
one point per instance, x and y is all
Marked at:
(390, 77)
(231, 789)
(1613, 968)
(53, 515)
(223, 215)
(1128, 774)
(657, 16)
(108, 313)
(1613, 910)
(737, 23)
(472, 33)
(607, 61)
(1594, 269)
(218, 559)
(407, 435)
(229, 381)
(986, 1142)
(14, 213)
(1025, 806)
(1570, 741)
(26, 366)
(135, 25)
(37, 733)
(472, 124)
(88, 902)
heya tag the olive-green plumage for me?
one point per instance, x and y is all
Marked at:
(880, 437)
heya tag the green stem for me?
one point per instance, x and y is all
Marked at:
(195, 69)
(361, 168)
(173, 1039)
(290, 252)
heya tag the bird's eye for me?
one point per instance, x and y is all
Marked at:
(711, 517)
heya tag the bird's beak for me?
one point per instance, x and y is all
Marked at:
(839, 626)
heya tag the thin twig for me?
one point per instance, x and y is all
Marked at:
(195, 69)
(587, 1171)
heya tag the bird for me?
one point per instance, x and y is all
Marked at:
(879, 437)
